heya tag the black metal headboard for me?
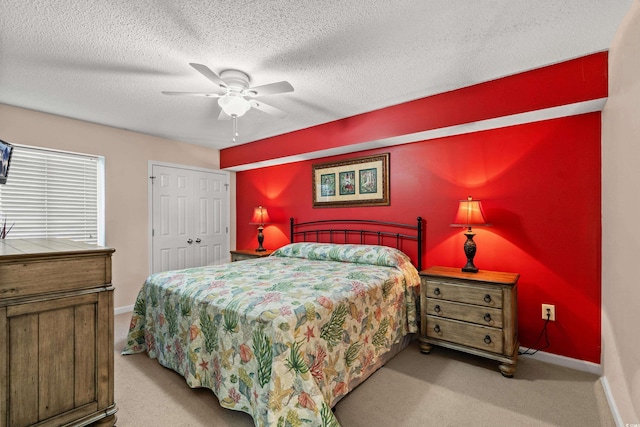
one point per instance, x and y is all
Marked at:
(324, 228)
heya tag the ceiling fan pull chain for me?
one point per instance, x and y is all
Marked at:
(235, 127)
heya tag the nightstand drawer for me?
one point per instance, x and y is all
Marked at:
(452, 310)
(241, 257)
(476, 336)
(488, 297)
(244, 254)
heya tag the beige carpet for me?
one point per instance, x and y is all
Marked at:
(444, 388)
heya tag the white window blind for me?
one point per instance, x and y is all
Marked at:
(53, 194)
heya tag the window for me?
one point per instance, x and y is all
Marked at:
(53, 194)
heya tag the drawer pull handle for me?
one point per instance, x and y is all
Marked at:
(487, 317)
(487, 339)
(436, 309)
(436, 291)
(436, 329)
(487, 298)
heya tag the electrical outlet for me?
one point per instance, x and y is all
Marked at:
(549, 309)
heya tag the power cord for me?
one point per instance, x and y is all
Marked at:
(546, 338)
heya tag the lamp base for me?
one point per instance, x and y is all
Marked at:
(260, 240)
(470, 252)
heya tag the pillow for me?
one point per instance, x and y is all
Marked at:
(359, 254)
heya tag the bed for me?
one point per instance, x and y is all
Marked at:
(285, 337)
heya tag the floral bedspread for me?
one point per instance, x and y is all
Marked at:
(279, 337)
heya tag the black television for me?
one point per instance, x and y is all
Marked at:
(6, 150)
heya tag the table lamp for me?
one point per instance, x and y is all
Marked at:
(260, 217)
(470, 214)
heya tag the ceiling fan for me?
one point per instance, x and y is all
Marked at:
(235, 97)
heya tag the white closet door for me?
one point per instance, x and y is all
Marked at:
(210, 219)
(189, 217)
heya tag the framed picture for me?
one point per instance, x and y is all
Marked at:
(363, 181)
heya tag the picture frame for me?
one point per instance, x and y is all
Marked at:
(362, 181)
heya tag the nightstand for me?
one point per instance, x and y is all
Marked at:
(472, 312)
(243, 254)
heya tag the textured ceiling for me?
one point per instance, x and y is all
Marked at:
(108, 61)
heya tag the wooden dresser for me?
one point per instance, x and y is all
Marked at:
(56, 334)
(472, 312)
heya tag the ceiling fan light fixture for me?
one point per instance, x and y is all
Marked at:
(234, 105)
(235, 85)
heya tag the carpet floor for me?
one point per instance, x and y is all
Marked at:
(444, 388)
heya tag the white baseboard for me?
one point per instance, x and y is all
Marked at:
(567, 362)
(581, 365)
(122, 310)
(612, 403)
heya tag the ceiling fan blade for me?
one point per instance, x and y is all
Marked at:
(266, 108)
(205, 71)
(211, 95)
(270, 89)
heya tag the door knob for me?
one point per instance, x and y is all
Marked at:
(190, 241)
(198, 240)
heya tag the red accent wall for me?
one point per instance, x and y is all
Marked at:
(568, 82)
(540, 188)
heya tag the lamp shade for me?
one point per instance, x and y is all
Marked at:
(260, 216)
(233, 104)
(470, 214)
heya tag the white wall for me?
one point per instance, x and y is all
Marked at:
(126, 164)
(620, 214)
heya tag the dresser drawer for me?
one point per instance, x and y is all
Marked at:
(470, 335)
(487, 297)
(469, 313)
(55, 274)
